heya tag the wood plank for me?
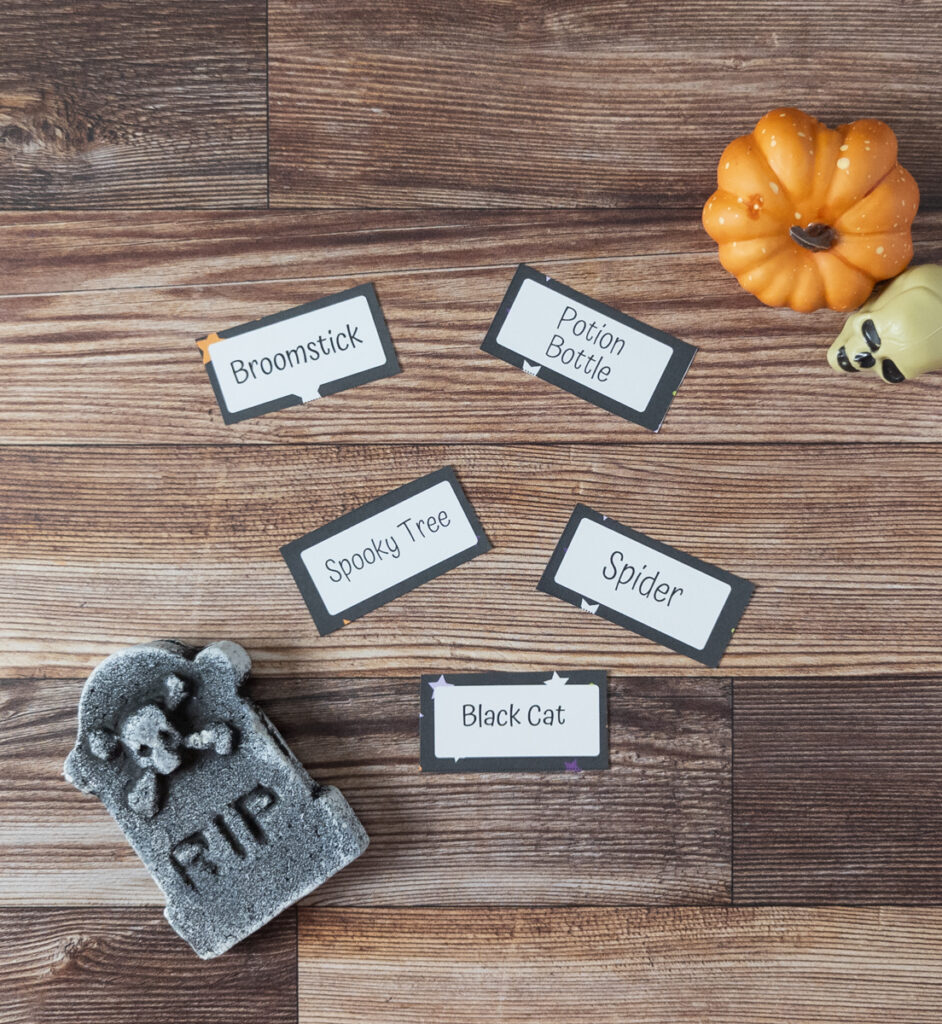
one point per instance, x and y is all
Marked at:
(115, 966)
(147, 249)
(103, 549)
(681, 966)
(112, 104)
(115, 362)
(560, 104)
(654, 829)
(836, 791)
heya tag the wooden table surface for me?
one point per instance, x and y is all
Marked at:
(767, 846)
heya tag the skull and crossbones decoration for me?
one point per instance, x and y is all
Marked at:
(156, 746)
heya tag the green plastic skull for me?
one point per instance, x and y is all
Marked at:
(897, 334)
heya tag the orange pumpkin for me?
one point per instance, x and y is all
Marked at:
(808, 216)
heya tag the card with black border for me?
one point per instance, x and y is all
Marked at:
(514, 722)
(588, 349)
(668, 596)
(384, 549)
(299, 355)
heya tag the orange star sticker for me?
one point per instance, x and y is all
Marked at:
(204, 343)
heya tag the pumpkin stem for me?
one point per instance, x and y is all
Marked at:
(817, 237)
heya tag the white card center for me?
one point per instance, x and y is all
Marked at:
(297, 355)
(527, 720)
(389, 547)
(636, 580)
(561, 334)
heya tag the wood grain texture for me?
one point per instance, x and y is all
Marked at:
(684, 966)
(574, 104)
(128, 510)
(654, 829)
(155, 103)
(119, 966)
(104, 548)
(113, 549)
(145, 249)
(106, 353)
(837, 792)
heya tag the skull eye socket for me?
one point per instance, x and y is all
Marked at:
(144, 750)
(843, 362)
(164, 735)
(891, 372)
(870, 335)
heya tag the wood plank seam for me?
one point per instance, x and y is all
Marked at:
(377, 275)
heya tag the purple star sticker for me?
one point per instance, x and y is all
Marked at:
(437, 684)
(572, 766)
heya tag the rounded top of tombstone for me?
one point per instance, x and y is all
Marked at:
(152, 683)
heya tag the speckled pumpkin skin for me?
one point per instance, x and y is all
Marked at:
(793, 171)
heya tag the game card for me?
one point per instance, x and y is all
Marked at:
(670, 597)
(588, 349)
(299, 355)
(514, 722)
(384, 549)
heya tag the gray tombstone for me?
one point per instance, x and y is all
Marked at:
(223, 815)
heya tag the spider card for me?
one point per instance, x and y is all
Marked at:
(668, 596)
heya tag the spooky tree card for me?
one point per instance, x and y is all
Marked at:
(384, 549)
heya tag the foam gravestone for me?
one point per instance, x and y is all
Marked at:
(809, 216)
(223, 815)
